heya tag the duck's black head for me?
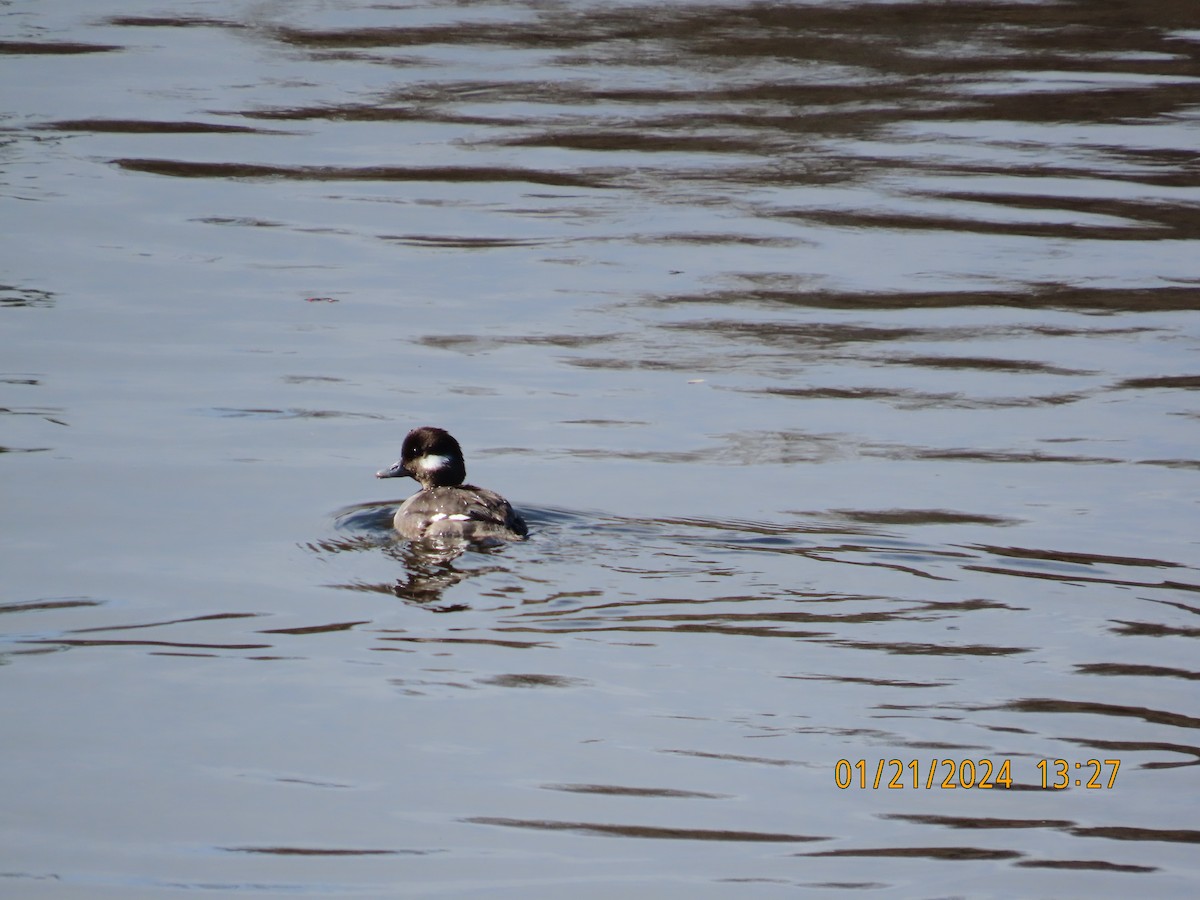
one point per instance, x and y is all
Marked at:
(431, 456)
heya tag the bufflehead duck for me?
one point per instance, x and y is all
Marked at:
(445, 508)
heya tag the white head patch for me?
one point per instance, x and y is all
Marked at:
(431, 462)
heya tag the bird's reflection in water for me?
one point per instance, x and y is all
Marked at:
(430, 571)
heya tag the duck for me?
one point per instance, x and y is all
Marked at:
(445, 510)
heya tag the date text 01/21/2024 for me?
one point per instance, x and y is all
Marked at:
(897, 774)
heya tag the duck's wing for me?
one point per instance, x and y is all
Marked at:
(492, 515)
(495, 510)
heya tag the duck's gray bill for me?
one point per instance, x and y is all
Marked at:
(395, 471)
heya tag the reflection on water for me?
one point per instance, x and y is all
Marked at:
(841, 357)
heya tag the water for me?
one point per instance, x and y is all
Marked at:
(842, 358)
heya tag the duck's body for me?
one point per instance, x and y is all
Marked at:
(445, 509)
(458, 511)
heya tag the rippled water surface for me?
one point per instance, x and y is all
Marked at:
(843, 358)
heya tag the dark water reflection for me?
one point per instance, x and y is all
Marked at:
(841, 356)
